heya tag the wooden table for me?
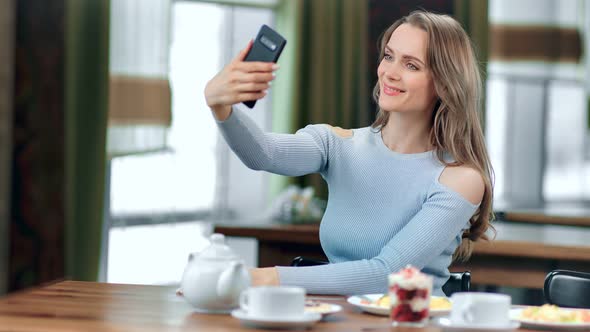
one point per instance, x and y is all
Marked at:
(89, 306)
(520, 256)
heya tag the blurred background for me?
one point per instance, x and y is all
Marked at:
(112, 168)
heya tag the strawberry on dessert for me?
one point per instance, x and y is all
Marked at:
(409, 292)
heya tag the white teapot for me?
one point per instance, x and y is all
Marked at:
(213, 279)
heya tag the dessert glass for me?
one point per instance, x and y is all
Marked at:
(409, 293)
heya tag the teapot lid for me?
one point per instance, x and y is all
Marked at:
(218, 250)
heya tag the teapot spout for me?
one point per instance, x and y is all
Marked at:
(232, 281)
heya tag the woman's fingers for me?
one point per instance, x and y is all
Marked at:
(253, 77)
(251, 87)
(256, 66)
(245, 96)
(237, 87)
(240, 97)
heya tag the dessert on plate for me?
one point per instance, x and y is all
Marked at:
(549, 313)
(409, 296)
(436, 302)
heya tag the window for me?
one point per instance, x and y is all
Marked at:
(533, 121)
(537, 126)
(198, 176)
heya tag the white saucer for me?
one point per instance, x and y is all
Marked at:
(445, 324)
(325, 310)
(308, 319)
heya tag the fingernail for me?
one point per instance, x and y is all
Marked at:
(274, 75)
(265, 91)
(275, 67)
(269, 83)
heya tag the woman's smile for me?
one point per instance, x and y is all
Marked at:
(391, 90)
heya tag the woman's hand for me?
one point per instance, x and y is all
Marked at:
(239, 81)
(267, 276)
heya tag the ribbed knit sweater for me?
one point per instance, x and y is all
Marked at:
(385, 209)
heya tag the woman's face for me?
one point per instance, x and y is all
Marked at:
(405, 82)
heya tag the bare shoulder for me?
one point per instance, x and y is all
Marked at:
(344, 133)
(465, 180)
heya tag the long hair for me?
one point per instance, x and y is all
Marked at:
(456, 127)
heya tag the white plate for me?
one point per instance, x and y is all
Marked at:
(382, 311)
(327, 308)
(308, 319)
(515, 315)
(445, 324)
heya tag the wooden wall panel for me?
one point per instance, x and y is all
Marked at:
(7, 28)
(37, 212)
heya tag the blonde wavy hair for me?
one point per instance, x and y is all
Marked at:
(456, 127)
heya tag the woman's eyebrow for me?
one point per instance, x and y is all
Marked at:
(406, 56)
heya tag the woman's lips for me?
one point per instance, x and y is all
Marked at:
(392, 91)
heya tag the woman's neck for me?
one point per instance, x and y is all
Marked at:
(407, 132)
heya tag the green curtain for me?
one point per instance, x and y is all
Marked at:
(324, 70)
(284, 99)
(87, 69)
(473, 15)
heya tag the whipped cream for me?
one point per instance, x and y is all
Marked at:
(419, 304)
(410, 278)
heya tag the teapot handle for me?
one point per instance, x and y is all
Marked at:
(233, 281)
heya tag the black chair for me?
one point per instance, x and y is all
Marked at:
(567, 289)
(458, 281)
(303, 261)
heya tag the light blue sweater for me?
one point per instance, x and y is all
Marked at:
(385, 209)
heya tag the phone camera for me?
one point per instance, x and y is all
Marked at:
(268, 43)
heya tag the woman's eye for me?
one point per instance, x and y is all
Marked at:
(411, 66)
(387, 56)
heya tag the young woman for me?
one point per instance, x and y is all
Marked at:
(413, 188)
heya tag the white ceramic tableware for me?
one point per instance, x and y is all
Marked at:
(480, 309)
(214, 279)
(305, 321)
(273, 302)
(445, 324)
(322, 308)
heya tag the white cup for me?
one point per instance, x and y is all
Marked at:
(480, 309)
(274, 302)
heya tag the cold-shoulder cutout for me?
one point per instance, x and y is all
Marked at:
(465, 180)
(344, 133)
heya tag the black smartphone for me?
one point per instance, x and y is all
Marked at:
(267, 47)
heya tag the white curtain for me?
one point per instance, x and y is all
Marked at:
(139, 98)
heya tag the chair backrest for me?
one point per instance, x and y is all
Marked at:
(458, 282)
(567, 288)
(303, 261)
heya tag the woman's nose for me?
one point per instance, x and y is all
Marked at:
(392, 72)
